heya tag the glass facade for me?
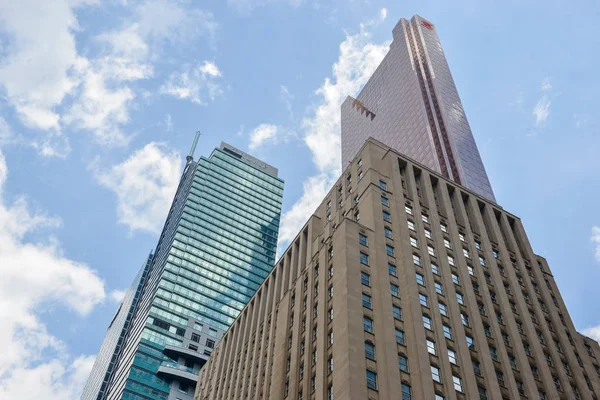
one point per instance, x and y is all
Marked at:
(217, 246)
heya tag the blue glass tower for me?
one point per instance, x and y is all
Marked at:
(216, 248)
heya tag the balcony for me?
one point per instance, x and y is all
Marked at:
(177, 351)
(178, 372)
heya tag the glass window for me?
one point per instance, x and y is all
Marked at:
(388, 232)
(457, 383)
(452, 357)
(466, 253)
(447, 244)
(451, 261)
(392, 270)
(435, 374)
(443, 309)
(435, 269)
(370, 350)
(371, 379)
(387, 217)
(385, 201)
(397, 312)
(364, 258)
(420, 279)
(382, 185)
(414, 242)
(411, 225)
(362, 239)
(417, 260)
(366, 300)
(402, 363)
(482, 261)
(408, 210)
(478, 244)
(399, 336)
(471, 270)
(444, 228)
(460, 298)
(447, 331)
(395, 290)
(389, 250)
(368, 324)
(431, 250)
(423, 300)
(461, 236)
(431, 347)
(406, 392)
(427, 322)
(427, 233)
(439, 289)
(464, 319)
(455, 279)
(365, 278)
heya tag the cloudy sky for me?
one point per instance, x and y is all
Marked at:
(100, 100)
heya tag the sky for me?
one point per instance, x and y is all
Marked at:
(100, 100)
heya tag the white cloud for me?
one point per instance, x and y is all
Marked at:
(593, 332)
(145, 184)
(194, 83)
(383, 13)
(50, 85)
(168, 123)
(261, 135)
(358, 59)
(35, 278)
(6, 133)
(541, 110)
(546, 85)
(249, 5)
(286, 97)
(117, 295)
(595, 239)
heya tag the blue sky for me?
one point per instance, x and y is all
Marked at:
(100, 101)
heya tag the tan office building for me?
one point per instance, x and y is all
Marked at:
(404, 285)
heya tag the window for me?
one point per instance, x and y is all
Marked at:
(395, 290)
(364, 258)
(478, 244)
(399, 336)
(402, 363)
(330, 337)
(371, 380)
(388, 232)
(431, 250)
(330, 392)
(493, 353)
(451, 261)
(193, 347)
(408, 210)
(330, 292)
(452, 357)
(420, 279)
(466, 253)
(425, 218)
(382, 185)
(365, 278)
(464, 319)
(460, 298)
(195, 338)
(329, 271)
(423, 300)
(427, 322)
(389, 250)
(461, 236)
(330, 365)
(443, 309)
(435, 374)
(496, 254)
(417, 260)
(476, 367)
(447, 331)
(397, 312)
(392, 270)
(368, 324)
(366, 301)
(386, 216)
(457, 383)
(482, 261)
(406, 392)
(513, 362)
(427, 233)
(414, 242)
(330, 314)
(470, 342)
(444, 228)
(447, 244)
(362, 239)
(431, 347)
(183, 387)
(471, 270)
(385, 201)
(500, 378)
(411, 225)
(210, 343)
(455, 279)
(435, 269)
(370, 350)
(439, 288)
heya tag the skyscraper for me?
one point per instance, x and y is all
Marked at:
(217, 246)
(405, 285)
(411, 104)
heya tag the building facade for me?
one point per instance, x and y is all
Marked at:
(97, 382)
(216, 248)
(411, 104)
(404, 285)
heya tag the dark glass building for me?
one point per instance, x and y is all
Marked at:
(216, 248)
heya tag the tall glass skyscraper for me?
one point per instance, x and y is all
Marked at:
(216, 248)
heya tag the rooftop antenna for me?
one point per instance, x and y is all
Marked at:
(190, 156)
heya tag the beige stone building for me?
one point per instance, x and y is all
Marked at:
(404, 285)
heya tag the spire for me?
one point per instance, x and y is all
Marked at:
(190, 156)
